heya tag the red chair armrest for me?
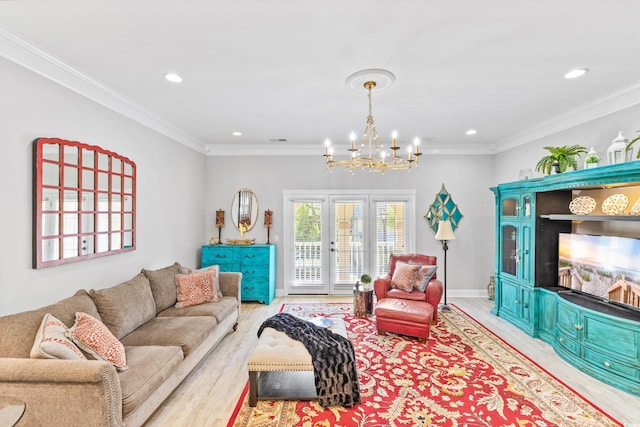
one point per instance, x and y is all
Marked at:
(381, 285)
(434, 292)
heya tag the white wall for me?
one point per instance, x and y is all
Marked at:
(467, 178)
(170, 190)
(597, 133)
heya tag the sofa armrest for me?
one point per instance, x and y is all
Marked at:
(230, 284)
(434, 294)
(63, 392)
(381, 285)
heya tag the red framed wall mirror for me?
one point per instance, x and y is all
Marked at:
(84, 202)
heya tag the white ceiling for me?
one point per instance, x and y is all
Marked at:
(276, 69)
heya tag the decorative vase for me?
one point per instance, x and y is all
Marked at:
(491, 288)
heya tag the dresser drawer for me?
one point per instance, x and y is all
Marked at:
(611, 365)
(568, 342)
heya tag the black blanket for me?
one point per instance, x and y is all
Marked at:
(333, 356)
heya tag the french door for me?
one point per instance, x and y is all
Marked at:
(332, 238)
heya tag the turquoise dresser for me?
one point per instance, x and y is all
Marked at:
(599, 338)
(257, 263)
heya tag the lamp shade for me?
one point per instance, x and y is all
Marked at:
(445, 232)
(219, 218)
(268, 218)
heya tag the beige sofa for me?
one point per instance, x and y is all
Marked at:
(163, 344)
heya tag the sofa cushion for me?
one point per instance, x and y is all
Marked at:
(163, 285)
(196, 288)
(220, 309)
(404, 276)
(126, 306)
(52, 343)
(19, 330)
(92, 336)
(186, 332)
(216, 275)
(149, 367)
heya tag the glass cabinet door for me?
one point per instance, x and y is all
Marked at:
(509, 247)
(510, 207)
(526, 207)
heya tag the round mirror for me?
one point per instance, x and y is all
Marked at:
(244, 209)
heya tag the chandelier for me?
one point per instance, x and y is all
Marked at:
(371, 155)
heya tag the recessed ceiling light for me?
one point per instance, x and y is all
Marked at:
(471, 132)
(578, 72)
(173, 77)
(236, 133)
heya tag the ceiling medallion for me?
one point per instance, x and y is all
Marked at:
(371, 155)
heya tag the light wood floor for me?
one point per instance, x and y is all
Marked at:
(208, 396)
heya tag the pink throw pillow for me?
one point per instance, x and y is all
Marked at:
(404, 276)
(92, 336)
(197, 288)
(52, 343)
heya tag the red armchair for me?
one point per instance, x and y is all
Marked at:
(407, 313)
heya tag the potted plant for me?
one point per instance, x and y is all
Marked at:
(366, 280)
(560, 158)
(592, 159)
(633, 141)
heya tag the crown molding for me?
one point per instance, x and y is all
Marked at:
(35, 59)
(616, 101)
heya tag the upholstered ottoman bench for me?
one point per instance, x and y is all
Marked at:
(406, 317)
(281, 367)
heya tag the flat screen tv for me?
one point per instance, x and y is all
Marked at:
(605, 267)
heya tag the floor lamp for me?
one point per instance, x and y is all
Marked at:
(445, 233)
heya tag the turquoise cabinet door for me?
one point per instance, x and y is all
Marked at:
(509, 298)
(547, 314)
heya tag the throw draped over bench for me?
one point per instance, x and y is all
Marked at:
(333, 357)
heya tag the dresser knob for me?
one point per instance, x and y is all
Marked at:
(578, 327)
(561, 339)
(607, 364)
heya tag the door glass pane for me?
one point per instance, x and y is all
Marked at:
(307, 242)
(509, 249)
(390, 233)
(527, 206)
(348, 241)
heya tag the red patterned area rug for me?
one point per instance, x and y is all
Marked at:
(463, 376)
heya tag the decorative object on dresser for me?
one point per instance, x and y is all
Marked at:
(219, 224)
(257, 263)
(550, 298)
(244, 210)
(268, 223)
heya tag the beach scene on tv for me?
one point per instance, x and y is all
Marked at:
(604, 266)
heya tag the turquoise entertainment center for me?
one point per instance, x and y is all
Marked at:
(597, 336)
